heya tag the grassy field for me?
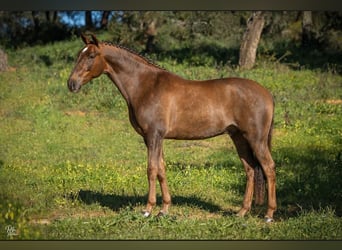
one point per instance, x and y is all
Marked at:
(71, 166)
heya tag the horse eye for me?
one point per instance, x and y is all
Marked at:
(92, 55)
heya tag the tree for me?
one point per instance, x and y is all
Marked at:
(36, 21)
(150, 32)
(104, 19)
(88, 20)
(136, 28)
(307, 34)
(250, 40)
(54, 16)
(3, 61)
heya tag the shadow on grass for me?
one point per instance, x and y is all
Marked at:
(309, 178)
(117, 202)
(202, 54)
(315, 56)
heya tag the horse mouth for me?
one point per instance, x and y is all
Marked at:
(74, 86)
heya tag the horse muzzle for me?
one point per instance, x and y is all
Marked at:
(74, 86)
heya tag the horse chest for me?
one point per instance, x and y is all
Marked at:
(146, 118)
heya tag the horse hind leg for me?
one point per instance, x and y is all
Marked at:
(263, 154)
(161, 175)
(249, 162)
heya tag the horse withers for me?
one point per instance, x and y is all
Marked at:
(163, 105)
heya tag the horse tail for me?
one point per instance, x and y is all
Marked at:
(259, 176)
(270, 132)
(259, 185)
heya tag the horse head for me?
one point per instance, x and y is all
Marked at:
(90, 64)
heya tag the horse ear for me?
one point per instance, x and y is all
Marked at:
(85, 39)
(95, 41)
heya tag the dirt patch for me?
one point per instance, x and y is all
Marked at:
(75, 113)
(41, 221)
(278, 132)
(334, 101)
(58, 215)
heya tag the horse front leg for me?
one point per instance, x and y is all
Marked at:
(151, 176)
(264, 156)
(156, 169)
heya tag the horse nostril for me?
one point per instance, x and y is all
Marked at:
(70, 85)
(73, 86)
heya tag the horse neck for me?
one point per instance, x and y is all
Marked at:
(131, 73)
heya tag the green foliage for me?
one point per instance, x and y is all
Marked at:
(23, 28)
(71, 166)
(15, 223)
(212, 38)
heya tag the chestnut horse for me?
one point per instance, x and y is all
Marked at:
(163, 105)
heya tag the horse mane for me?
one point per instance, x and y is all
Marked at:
(131, 51)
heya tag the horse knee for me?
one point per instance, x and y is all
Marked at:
(152, 173)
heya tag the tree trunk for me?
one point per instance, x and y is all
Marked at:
(251, 40)
(3, 61)
(104, 19)
(306, 28)
(150, 32)
(48, 16)
(54, 19)
(88, 20)
(36, 22)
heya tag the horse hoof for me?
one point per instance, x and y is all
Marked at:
(268, 220)
(161, 214)
(146, 214)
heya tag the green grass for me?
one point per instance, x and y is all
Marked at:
(71, 166)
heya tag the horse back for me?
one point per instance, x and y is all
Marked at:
(202, 109)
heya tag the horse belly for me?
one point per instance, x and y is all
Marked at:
(198, 123)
